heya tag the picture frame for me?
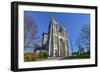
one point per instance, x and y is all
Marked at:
(43, 12)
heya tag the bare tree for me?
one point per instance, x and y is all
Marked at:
(30, 32)
(83, 41)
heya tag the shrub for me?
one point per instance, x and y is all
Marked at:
(28, 57)
(43, 54)
(34, 56)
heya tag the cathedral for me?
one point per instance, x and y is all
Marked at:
(56, 40)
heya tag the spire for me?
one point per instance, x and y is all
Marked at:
(53, 20)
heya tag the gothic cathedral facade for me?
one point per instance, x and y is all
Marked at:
(56, 40)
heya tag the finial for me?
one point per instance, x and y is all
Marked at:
(53, 18)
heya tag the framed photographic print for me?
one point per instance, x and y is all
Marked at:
(52, 36)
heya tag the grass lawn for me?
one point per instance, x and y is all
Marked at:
(77, 57)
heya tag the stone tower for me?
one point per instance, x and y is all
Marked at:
(57, 40)
(44, 38)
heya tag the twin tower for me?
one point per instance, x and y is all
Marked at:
(56, 40)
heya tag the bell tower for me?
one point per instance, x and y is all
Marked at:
(57, 40)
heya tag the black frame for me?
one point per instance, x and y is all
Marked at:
(14, 35)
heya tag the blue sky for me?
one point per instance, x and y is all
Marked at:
(72, 21)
